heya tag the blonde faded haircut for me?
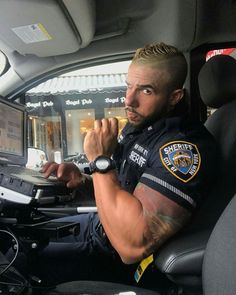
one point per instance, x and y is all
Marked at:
(163, 55)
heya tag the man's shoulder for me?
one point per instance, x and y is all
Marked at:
(189, 128)
(181, 133)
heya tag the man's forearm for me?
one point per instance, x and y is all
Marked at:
(121, 215)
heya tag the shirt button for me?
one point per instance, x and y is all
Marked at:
(127, 182)
(131, 136)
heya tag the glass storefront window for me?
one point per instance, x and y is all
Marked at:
(78, 122)
(62, 109)
(45, 134)
(118, 113)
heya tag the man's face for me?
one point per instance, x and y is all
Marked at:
(147, 98)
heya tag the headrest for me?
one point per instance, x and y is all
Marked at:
(217, 81)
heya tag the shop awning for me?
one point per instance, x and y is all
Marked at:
(79, 84)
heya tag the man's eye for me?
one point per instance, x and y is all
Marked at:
(147, 91)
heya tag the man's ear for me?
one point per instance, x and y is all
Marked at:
(176, 96)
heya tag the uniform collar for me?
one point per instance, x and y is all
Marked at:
(167, 122)
(130, 129)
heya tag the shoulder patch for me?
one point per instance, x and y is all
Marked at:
(181, 158)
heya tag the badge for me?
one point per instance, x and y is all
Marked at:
(181, 158)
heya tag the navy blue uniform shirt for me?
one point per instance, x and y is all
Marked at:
(174, 156)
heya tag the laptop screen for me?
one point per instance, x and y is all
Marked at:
(12, 133)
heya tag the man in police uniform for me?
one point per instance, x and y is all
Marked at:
(146, 185)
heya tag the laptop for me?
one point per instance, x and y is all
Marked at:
(18, 183)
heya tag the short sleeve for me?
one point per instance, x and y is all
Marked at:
(177, 170)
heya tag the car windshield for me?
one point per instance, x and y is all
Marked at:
(63, 109)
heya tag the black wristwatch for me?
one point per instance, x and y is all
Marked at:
(102, 164)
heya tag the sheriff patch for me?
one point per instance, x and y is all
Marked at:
(181, 158)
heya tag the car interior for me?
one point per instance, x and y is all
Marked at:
(48, 50)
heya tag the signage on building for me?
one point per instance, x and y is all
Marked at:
(57, 103)
(43, 104)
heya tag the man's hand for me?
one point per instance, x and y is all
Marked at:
(102, 140)
(66, 172)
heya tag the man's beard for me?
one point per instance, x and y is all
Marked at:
(146, 121)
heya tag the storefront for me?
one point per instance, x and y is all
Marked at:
(59, 122)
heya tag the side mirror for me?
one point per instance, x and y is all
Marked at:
(36, 158)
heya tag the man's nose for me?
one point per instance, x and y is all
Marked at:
(131, 98)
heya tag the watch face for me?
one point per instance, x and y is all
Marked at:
(102, 164)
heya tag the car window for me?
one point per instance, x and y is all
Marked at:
(62, 110)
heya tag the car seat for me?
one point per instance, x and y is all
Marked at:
(217, 85)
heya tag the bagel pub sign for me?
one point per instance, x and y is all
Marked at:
(49, 104)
